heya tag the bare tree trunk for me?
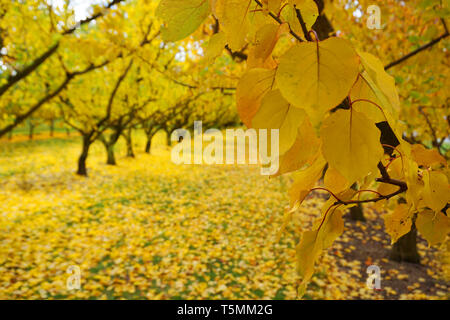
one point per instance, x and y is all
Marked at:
(356, 213)
(52, 127)
(30, 130)
(109, 148)
(111, 160)
(148, 145)
(109, 144)
(82, 170)
(169, 142)
(129, 140)
(405, 249)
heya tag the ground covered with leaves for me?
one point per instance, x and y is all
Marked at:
(150, 229)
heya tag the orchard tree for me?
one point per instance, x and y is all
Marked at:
(89, 114)
(335, 107)
(134, 98)
(101, 105)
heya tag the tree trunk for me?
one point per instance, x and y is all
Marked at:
(129, 140)
(356, 213)
(169, 142)
(52, 127)
(109, 148)
(31, 131)
(10, 135)
(82, 170)
(405, 249)
(111, 160)
(148, 145)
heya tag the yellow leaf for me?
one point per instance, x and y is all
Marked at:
(286, 218)
(260, 54)
(233, 18)
(386, 83)
(334, 181)
(308, 10)
(304, 181)
(362, 91)
(252, 87)
(436, 191)
(411, 173)
(274, 5)
(181, 17)
(434, 227)
(331, 226)
(351, 144)
(308, 251)
(297, 2)
(398, 222)
(326, 230)
(317, 76)
(305, 149)
(215, 47)
(276, 113)
(383, 87)
(426, 157)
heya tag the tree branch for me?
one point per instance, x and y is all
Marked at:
(302, 24)
(385, 178)
(113, 95)
(413, 53)
(22, 117)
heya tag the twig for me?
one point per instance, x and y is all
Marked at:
(296, 36)
(303, 25)
(385, 178)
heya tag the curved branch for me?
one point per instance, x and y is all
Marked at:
(385, 178)
(413, 53)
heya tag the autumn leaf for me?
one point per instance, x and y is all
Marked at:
(317, 76)
(251, 89)
(436, 191)
(326, 229)
(276, 113)
(351, 144)
(398, 223)
(260, 53)
(215, 47)
(233, 17)
(335, 181)
(361, 93)
(305, 179)
(182, 17)
(426, 157)
(305, 150)
(433, 226)
(385, 84)
(308, 10)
